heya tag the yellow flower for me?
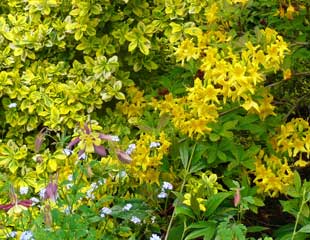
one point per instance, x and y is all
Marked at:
(211, 13)
(290, 12)
(300, 163)
(188, 201)
(287, 74)
(273, 175)
(186, 51)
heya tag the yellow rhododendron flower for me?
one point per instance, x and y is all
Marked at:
(187, 201)
(290, 12)
(287, 74)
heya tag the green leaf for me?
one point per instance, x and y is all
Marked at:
(215, 201)
(183, 149)
(144, 47)
(212, 153)
(120, 96)
(214, 137)
(305, 229)
(183, 210)
(208, 232)
(132, 46)
(222, 156)
(297, 181)
(176, 232)
(230, 125)
(253, 229)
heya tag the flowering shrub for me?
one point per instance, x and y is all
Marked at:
(136, 119)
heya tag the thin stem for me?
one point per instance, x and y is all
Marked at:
(301, 74)
(181, 190)
(294, 107)
(298, 214)
(230, 110)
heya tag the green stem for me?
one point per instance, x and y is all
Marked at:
(181, 190)
(298, 214)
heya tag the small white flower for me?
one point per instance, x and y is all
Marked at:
(12, 234)
(115, 138)
(42, 192)
(12, 105)
(122, 174)
(162, 195)
(131, 148)
(94, 186)
(105, 211)
(167, 185)
(23, 190)
(153, 219)
(89, 194)
(135, 220)
(102, 181)
(127, 207)
(67, 151)
(155, 237)
(70, 178)
(34, 201)
(154, 144)
(69, 185)
(83, 156)
(67, 210)
(27, 235)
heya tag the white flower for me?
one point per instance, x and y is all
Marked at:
(27, 235)
(34, 201)
(70, 177)
(105, 211)
(135, 220)
(162, 195)
(167, 185)
(154, 144)
(12, 105)
(153, 219)
(115, 138)
(23, 190)
(67, 210)
(69, 185)
(155, 237)
(89, 194)
(12, 234)
(122, 174)
(67, 151)
(83, 156)
(102, 181)
(93, 185)
(127, 207)
(42, 192)
(131, 148)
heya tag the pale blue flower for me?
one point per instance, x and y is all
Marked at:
(167, 186)
(127, 207)
(154, 144)
(23, 190)
(162, 195)
(27, 235)
(155, 237)
(135, 220)
(12, 105)
(105, 211)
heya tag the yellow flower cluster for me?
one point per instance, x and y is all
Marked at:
(228, 75)
(191, 114)
(133, 106)
(147, 156)
(273, 175)
(287, 11)
(294, 138)
(201, 188)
